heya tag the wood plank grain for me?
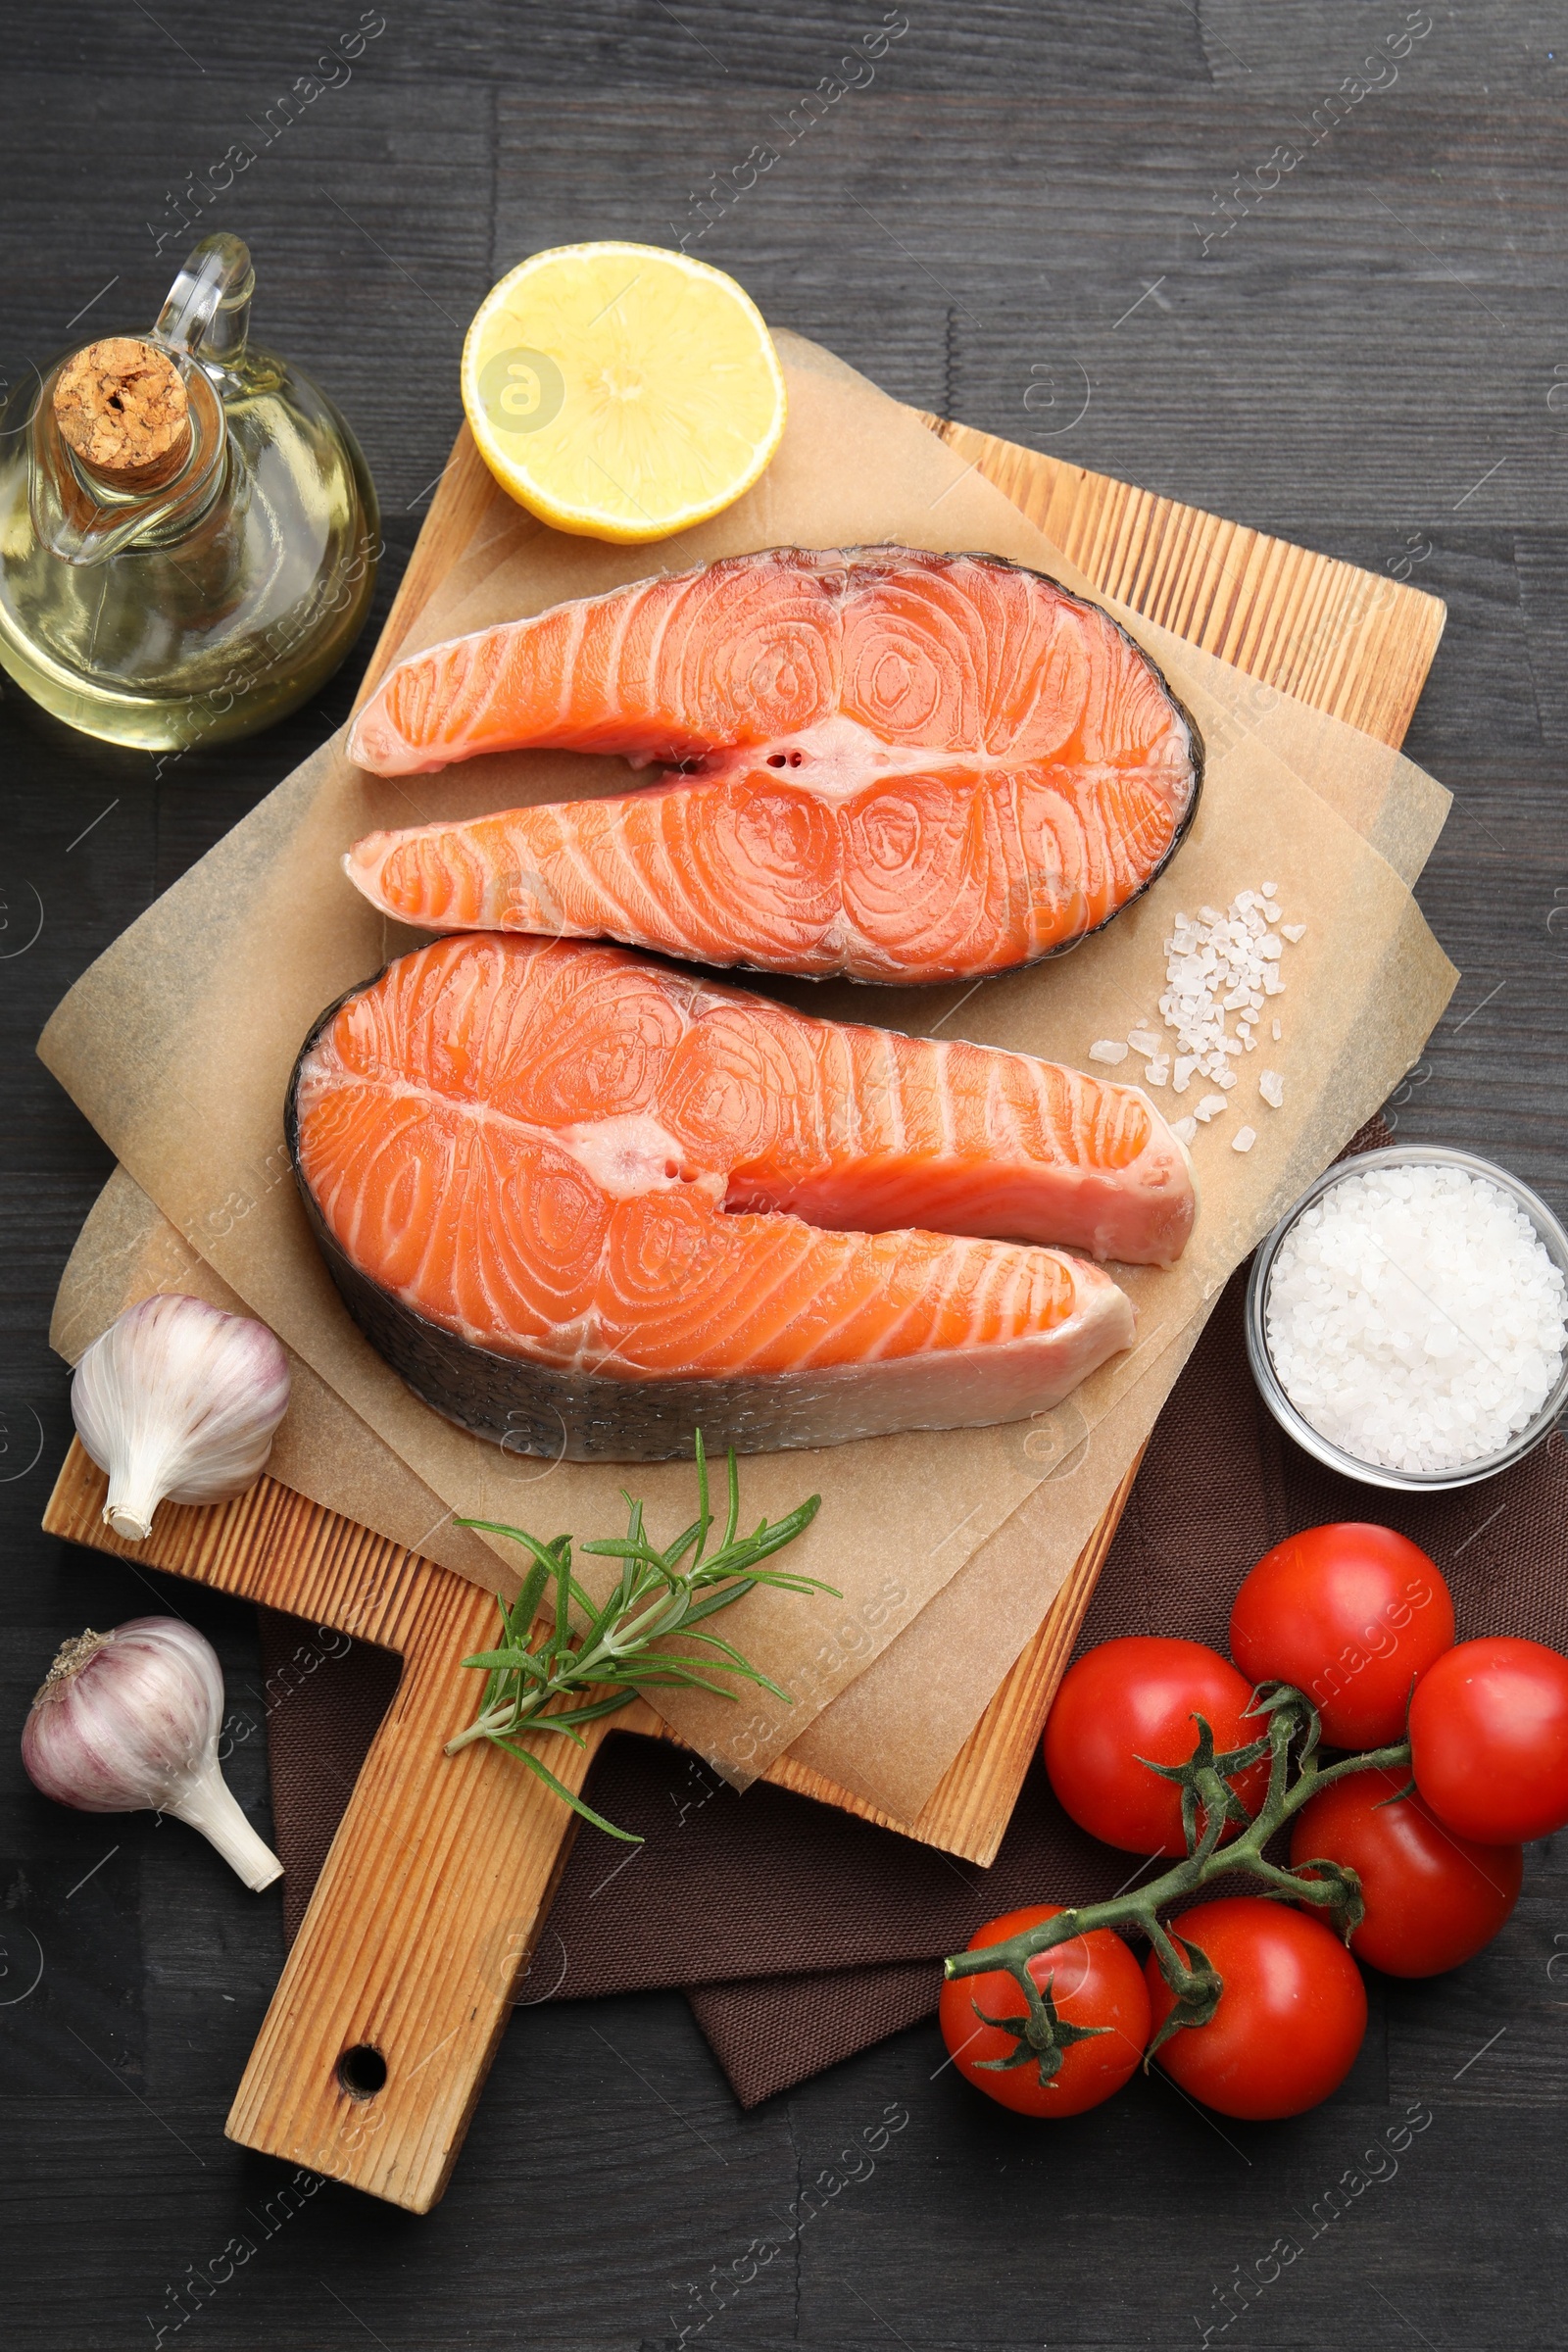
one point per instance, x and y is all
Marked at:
(1331, 370)
(430, 1901)
(1345, 640)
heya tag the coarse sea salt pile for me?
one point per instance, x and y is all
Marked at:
(1414, 1317)
(1215, 964)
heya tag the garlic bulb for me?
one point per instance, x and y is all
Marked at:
(130, 1719)
(179, 1400)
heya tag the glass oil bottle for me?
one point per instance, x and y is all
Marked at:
(189, 531)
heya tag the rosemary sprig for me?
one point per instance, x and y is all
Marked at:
(659, 1596)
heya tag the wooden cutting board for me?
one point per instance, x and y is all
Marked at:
(394, 1995)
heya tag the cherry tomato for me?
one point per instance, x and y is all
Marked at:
(1350, 1614)
(1433, 1898)
(1489, 1740)
(1135, 1698)
(1290, 2020)
(1094, 1980)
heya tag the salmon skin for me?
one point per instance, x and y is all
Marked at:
(584, 1203)
(895, 767)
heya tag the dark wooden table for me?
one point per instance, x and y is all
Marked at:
(1078, 228)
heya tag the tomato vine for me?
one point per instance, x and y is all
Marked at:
(1209, 1807)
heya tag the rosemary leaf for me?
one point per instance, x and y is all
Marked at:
(566, 1794)
(685, 1678)
(527, 1606)
(733, 1521)
(611, 1704)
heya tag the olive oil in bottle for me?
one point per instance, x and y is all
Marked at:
(189, 531)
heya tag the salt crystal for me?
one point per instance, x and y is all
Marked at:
(1184, 1130)
(1415, 1319)
(1209, 1107)
(1107, 1048)
(1276, 1029)
(1271, 1086)
(1271, 890)
(1242, 1139)
(1216, 964)
(1294, 931)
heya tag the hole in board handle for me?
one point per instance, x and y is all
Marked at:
(361, 2071)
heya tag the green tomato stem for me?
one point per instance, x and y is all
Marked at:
(1207, 1862)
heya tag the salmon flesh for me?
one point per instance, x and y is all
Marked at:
(888, 764)
(583, 1204)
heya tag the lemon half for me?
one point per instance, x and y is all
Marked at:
(621, 391)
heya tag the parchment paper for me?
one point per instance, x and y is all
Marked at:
(944, 1668)
(179, 1041)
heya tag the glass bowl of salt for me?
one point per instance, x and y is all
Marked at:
(1407, 1320)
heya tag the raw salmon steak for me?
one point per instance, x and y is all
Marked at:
(893, 765)
(584, 1203)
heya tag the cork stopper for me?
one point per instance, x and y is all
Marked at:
(121, 406)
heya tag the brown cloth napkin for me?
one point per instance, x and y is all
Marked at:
(801, 1934)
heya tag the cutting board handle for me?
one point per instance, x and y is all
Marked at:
(369, 2061)
(425, 1915)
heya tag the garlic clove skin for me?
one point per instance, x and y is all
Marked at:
(129, 1720)
(178, 1400)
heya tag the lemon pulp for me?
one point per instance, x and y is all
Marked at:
(621, 391)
